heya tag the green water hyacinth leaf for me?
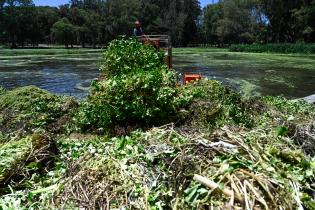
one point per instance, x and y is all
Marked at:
(195, 193)
(281, 131)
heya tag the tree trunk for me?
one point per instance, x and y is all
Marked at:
(13, 43)
(93, 42)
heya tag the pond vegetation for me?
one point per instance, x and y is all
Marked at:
(254, 74)
(275, 48)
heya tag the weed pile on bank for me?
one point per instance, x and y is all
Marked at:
(17, 156)
(139, 91)
(165, 168)
(217, 150)
(208, 104)
(28, 109)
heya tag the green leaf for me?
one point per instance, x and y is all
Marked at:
(281, 131)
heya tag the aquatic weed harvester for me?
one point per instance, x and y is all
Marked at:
(163, 42)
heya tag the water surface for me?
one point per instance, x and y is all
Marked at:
(254, 74)
(60, 74)
(292, 76)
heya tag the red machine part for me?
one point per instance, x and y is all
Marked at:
(191, 77)
(163, 42)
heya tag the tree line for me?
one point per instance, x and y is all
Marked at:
(259, 21)
(96, 22)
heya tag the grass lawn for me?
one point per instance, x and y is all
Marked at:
(52, 51)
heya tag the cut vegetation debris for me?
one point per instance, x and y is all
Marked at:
(26, 109)
(171, 167)
(16, 154)
(178, 168)
(217, 150)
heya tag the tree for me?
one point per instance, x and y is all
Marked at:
(79, 18)
(211, 16)
(64, 32)
(310, 21)
(304, 21)
(281, 18)
(10, 16)
(96, 22)
(27, 28)
(120, 17)
(192, 11)
(235, 21)
(238, 23)
(46, 17)
(150, 16)
(93, 25)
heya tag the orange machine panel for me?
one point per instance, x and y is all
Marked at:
(191, 77)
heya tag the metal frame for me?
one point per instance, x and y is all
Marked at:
(164, 42)
(162, 39)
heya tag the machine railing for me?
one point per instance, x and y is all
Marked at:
(159, 42)
(164, 42)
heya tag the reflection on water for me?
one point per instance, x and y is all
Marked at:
(72, 74)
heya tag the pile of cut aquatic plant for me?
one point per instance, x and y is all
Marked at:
(26, 109)
(178, 168)
(216, 149)
(34, 150)
(137, 89)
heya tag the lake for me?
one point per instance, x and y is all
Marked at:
(62, 73)
(254, 74)
(69, 72)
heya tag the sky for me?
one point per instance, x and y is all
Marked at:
(59, 2)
